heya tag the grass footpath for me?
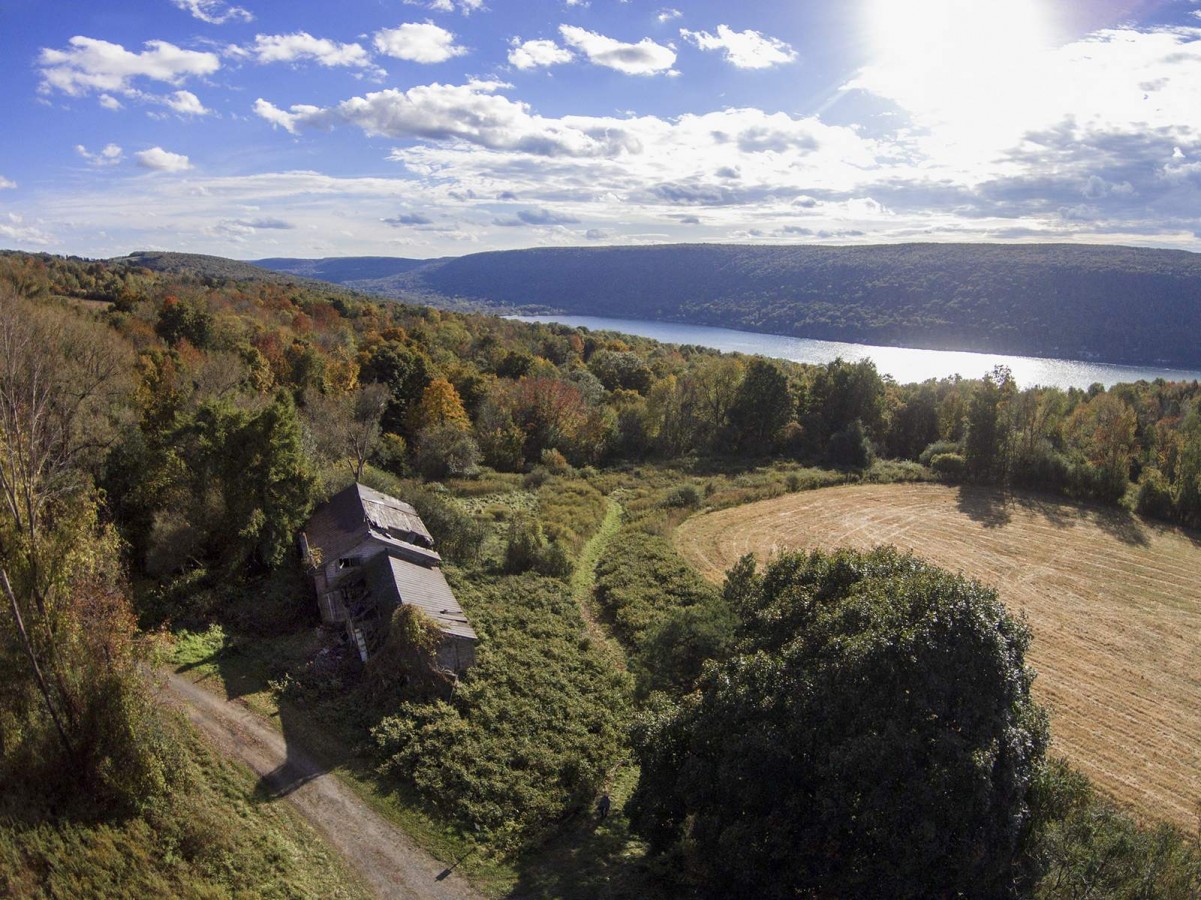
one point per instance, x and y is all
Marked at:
(583, 582)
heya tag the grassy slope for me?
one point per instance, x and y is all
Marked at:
(222, 839)
(1114, 603)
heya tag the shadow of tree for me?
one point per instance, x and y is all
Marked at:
(988, 506)
(1118, 523)
(589, 858)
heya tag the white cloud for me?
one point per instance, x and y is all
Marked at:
(94, 65)
(472, 112)
(743, 49)
(215, 12)
(466, 7)
(6, 183)
(161, 160)
(667, 14)
(644, 58)
(13, 228)
(535, 54)
(420, 42)
(185, 103)
(109, 155)
(108, 101)
(539, 217)
(272, 48)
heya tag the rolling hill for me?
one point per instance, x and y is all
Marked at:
(1118, 304)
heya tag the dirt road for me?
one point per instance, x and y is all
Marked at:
(384, 857)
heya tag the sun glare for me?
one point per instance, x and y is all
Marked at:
(962, 64)
(929, 34)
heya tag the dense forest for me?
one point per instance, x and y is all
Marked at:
(1117, 304)
(163, 436)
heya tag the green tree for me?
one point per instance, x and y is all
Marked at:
(842, 392)
(871, 735)
(761, 407)
(985, 442)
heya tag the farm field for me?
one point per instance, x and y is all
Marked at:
(1114, 603)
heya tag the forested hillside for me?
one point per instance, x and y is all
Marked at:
(183, 425)
(1117, 304)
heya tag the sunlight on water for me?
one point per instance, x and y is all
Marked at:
(902, 363)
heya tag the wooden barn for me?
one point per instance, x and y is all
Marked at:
(370, 553)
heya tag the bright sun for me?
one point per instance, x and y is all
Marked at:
(965, 64)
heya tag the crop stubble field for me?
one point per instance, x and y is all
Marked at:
(1114, 603)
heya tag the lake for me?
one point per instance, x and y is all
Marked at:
(903, 363)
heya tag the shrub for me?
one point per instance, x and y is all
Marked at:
(686, 496)
(1154, 495)
(951, 466)
(528, 549)
(533, 730)
(446, 451)
(938, 448)
(555, 462)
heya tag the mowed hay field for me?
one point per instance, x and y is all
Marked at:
(1114, 602)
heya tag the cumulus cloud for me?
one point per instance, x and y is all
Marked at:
(743, 49)
(302, 46)
(466, 7)
(420, 42)
(93, 65)
(667, 14)
(537, 54)
(215, 12)
(408, 219)
(160, 160)
(109, 155)
(472, 112)
(6, 183)
(185, 103)
(644, 58)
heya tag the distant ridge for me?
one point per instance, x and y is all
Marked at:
(204, 266)
(342, 269)
(1117, 304)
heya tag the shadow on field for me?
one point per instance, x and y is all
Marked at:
(992, 508)
(1119, 524)
(987, 506)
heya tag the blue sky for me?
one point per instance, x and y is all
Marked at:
(441, 127)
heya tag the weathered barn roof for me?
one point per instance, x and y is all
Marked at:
(403, 582)
(341, 524)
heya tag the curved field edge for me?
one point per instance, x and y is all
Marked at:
(1114, 603)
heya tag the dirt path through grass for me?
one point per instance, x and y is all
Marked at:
(1114, 602)
(384, 856)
